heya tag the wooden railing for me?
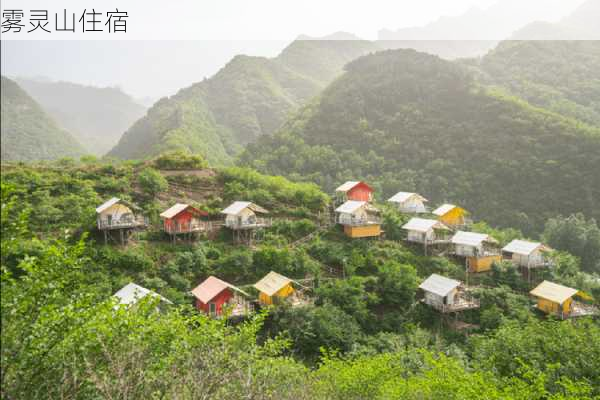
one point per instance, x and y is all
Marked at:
(124, 222)
(247, 224)
(187, 228)
(359, 221)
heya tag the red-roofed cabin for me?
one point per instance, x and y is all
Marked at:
(354, 190)
(214, 294)
(183, 218)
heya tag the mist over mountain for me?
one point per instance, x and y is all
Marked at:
(248, 97)
(96, 117)
(28, 133)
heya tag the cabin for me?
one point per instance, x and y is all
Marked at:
(116, 215)
(446, 295)
(273, 288)
(479, 249)
(242, 218)
(131, 294)
(557, 300)
(451, 215)
(359, 219)
(214, 295)
(183, 219)
(526, 254)
(410, 203)
(353, 190)
(426, 231)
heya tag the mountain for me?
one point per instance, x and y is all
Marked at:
(405, 120)
(562, 76)
(97, 117)
(28, 133)
(248, 97)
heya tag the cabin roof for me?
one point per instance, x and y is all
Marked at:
(423, 225)
(553, 292)
(401, 197)
(179, 207)
(237, 206)
(346, 186)
(212, 286)
(107, 204)
(471, 238)
(522, 247)
(272, 283)
(132, 293)
(444, 209)
(350, 206)
(439, 285)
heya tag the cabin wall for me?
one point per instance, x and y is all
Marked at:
(412, 205)
(433, 299)
(482, 264)
(358, 215)
(548, 306)
(220, 300)
(362, 231)
(467, 251)
(245, 215)
(116, 211)
(181, 221)
(359, 193)
(454, 217)
(284, 292)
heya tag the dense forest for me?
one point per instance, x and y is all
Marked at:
(363, 335)
(403, 119)
(248, 97)
(28, 132)
(96, 117)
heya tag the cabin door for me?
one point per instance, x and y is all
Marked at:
(212, 308)
(109, 219)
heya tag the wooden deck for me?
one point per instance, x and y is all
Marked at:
(258, 223)
(190, 228)
(122, 224)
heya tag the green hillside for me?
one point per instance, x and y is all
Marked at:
(96, 117)
(568, 83)
(364, 334)
(28, 133)
(248, 97)
(405, 120)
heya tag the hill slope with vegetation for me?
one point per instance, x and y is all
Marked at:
(409, 121)
(249, 97)
(568, 83)
(28, 133)
(96, 117)
(363, 335)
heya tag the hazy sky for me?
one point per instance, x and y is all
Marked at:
(225, 28)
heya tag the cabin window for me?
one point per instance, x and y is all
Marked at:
(109, 219)
(212, 308)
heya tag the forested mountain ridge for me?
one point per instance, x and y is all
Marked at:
(28, 133)
(249, 97)
(403, 119)
(96, 117)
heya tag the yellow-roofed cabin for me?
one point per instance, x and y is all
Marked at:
(274, 287)
(451, 215)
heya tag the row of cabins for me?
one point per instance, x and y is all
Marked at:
(243, 217)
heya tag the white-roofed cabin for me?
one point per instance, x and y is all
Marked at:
(479, 249)
(130, 294)
(115, 214)
(359, 219)
(242, 218)
(408, 202)
(446, 295)
(527, 254)
(426, 231)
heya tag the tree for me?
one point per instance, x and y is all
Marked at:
(152, 182)
(397, 284)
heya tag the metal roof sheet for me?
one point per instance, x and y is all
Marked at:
(350, 206)
(401, 197)
(212, 286)
(423, 225)
(444, 209)
(522, 247)
(347, 186)
(471, 238)
(107, 204)
(272, 283)
(237, 206)
(132, 293)
(174, 210)
(553, 292)
(439, 285)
